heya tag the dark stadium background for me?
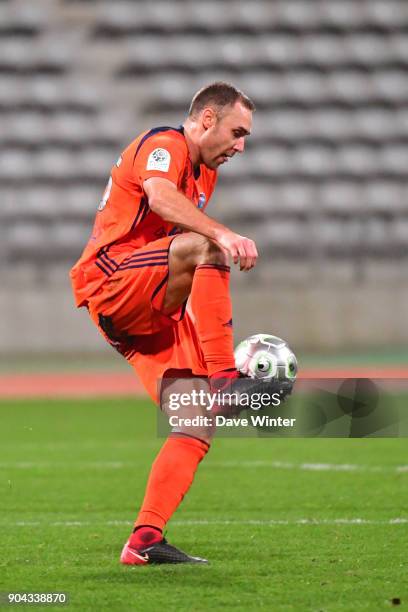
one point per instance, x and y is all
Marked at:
(322, 186)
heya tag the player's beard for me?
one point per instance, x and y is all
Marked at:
(220, 158)
(214, 154)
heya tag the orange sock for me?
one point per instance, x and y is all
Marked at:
(211, 305)
(170, 478)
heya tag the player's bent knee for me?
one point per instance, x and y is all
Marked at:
(211, 253)
(180, 401)
(193, 249)
(200, 430)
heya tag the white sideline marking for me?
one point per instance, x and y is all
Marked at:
(203, 522)
(97, 465)
(339, 521)
(276, 465)
(314, 467)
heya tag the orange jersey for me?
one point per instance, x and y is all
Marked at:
(124, 221)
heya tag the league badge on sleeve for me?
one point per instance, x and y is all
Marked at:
(159, 159)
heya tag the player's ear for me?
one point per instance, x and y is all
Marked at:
(208, 118)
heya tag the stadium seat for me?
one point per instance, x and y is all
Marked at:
(305, 86)
(386, 195)
(399, 46)
(265, 90)
(25, 127)
(351, 86)
(369, 49)
(12, 90)
(70, 236)
(279, 50)
(15, 165)
(96, 162)
(297, 14)
(13, 54)
(145, 54)
(341, 14)
(172, 87)
(27, 237)
(82, 201)
(342, 197)
(118, 16)
(240, 167)
(272, 160)
(255, 16)
(335, 124)
(387, 14)
(8, 198)
(281, 237)
(295, 197)
(376, 123)
(337, 236)
(289, 270)
(161, 14)
(70, 127)
(401, 119)
(260, 200)
(399, 232)
(322, 49)
(27, 17)
(313, 160)
(390, 85)
(54, 163)
(375, 238)
(394, 159)
(283, 124)
(46, 91)
(41, 202)
(358, 159)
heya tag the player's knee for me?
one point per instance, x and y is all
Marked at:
(210, 253)
(204, 434)
(191, 250)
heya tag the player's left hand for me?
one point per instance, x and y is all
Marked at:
(242, 250)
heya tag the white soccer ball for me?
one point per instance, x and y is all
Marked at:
(267, 358)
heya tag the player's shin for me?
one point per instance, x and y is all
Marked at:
(212, 309)
(170, 478)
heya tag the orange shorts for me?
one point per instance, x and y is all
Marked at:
(128, 312)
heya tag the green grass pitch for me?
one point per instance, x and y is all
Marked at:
(73, 475)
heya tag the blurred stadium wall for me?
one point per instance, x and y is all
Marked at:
(322, 186)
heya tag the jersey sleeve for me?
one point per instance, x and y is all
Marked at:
(163, 156)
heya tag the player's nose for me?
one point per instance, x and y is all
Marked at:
(240, 145)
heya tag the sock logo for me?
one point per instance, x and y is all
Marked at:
(142, 557)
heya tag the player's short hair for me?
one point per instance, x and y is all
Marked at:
(218, 95)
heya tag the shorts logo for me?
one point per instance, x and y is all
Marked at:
(159, 159)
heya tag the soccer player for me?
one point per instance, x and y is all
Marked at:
(153, 248)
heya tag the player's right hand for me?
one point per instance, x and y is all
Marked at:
(242, 250)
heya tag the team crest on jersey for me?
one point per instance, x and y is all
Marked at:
(201, 200)
(159, 159)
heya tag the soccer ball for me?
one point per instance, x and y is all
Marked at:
(268, 359)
